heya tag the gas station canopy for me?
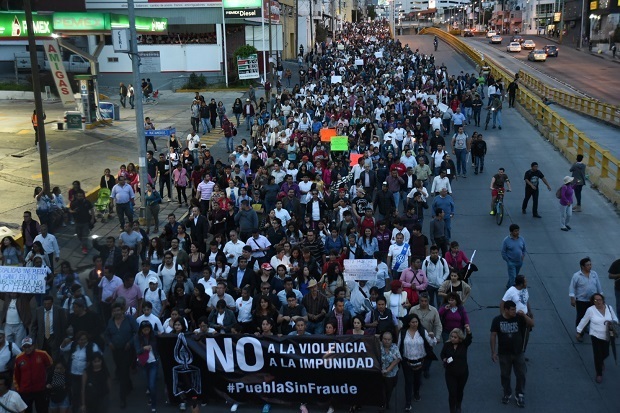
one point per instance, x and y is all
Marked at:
(13, 24)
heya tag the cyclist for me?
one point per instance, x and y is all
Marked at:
(497, 184)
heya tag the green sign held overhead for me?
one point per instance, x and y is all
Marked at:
(242, 4)
(339, 143)
(13, 24)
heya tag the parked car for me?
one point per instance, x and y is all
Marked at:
(529, 44)
(496, 40)
(491, 33)
(551, 50)
(513, 47)
(517, 38)
(537, 55)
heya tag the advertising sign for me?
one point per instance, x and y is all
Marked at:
(27, 280)
(57, 69)
(357, 270)
(160, 132)
(150, 62)
(242, 13)
(241, 4)
(248, 67)
(13, 24)
(151, 4)
(271, 369)
(271, 7)
(81, 21)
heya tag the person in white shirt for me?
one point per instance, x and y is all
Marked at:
(155, 296)
(11, 400)
(436, 123)
(399, 256)
(208, 281)
(441, 182)
(243, 305)
(437, 159)
(259, 244)
(167, 271)
(233, 248)
(147, 315)
(278, 173)
(8, 351)
(142, 278)
(408, 159)
(193, 143)
(50, 245)
(399, 228)
(282, 213)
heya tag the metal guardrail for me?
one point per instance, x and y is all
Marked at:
(604, 168)
(587, 106)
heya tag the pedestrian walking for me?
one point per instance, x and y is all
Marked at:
(532, 179)
(614, 274)
(83, 213)
(149, 126)
(30, 376)
(454, 357)
(513, 252)
(599, 316)
(512, 93)
(578, 170)
(461, 146)
(123, 197)
(229, 131)
(519, 294)
(130, 94)
(566, 203)
(122, 91)
(507, 348)
(35, 124)
(584, 284)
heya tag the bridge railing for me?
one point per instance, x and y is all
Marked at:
(603, 167)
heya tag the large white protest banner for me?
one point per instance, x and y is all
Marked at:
(360, 270)
(27, 280)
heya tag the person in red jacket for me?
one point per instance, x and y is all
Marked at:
(30, 376)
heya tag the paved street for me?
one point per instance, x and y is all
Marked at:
(560, 370)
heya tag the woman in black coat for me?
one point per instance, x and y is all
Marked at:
(454, 356)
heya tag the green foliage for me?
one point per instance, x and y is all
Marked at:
(321, 33)
(372, 13)
(15, 86)
(195, 82)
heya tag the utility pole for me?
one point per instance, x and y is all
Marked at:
(296, 25)
(38, 102)
(311, 26)
(270, 50)
(135, 66)
(583, 27)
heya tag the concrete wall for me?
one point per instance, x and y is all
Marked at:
(16, 95)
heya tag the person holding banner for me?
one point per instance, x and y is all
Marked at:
(415, 345)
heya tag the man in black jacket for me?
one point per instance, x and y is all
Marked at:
(239, 277)
(198, 226)
(384, 201)
(110, 253)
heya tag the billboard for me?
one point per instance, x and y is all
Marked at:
(13, 24)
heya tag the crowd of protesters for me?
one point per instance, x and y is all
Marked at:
(262, 249)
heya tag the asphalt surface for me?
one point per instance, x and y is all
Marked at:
(584, 72)
(560, 371)
(556, 72)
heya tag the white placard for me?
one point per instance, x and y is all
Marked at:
(25, 280)
(442, 107)
(359, 62)
(379, 55)
(358, 270)
(336, 79)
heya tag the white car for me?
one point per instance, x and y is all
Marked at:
(513, 47)
(496, 39)
(537, 56)
(491, 33)
(529, 44)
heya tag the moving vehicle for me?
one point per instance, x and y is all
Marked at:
(491, 33)
(74, 64)
(496, 40)
(551, 50)
(468, 33)
(517, 38)
(513, 47)
(537, 55)
(529, 44)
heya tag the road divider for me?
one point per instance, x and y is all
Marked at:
(603, 167)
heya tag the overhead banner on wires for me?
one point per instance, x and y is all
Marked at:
(289, 369)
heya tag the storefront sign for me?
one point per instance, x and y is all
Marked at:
(242, 13)
(57, 69)
(160, 132)
(248, 67)
(81, 21)
(241, 4)
(334, 369)
(359, 270)
(143, 24)
(13, 24)
(27, 280)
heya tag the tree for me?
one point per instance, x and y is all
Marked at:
(372, 13)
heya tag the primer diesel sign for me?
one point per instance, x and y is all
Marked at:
(14, 25)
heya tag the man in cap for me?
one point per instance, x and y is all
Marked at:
(30, 376)
(49, 326)
(155, 296)
(316, 306)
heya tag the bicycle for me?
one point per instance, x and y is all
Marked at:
(151, 99)
(489, 112)
(498, 207)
